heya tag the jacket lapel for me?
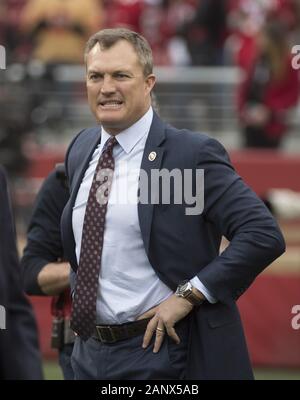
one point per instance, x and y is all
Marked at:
(152, 148)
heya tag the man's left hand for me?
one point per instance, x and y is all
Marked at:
(164, 317)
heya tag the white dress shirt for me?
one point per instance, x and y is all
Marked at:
(128, 285)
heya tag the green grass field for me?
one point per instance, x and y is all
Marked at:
(53, 372)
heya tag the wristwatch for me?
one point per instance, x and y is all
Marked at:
(185, 290)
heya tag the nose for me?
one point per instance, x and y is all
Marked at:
(108, 86)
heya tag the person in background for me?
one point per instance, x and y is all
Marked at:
(45, 272)
(59, 28)
(19, 350)
(269, 90)
(206, 32)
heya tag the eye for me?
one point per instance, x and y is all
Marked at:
(121, 75)
(94, 77)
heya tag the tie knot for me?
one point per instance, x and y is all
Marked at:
(110, 144)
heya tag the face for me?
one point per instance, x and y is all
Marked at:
(118, 91)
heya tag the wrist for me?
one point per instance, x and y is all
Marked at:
(186, 302)
(198, 294)
(187, 291)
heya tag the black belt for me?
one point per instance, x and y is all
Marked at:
(115, 333)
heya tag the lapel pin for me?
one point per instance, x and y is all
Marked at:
(152, 156)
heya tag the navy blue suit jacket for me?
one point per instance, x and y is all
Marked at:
(180, 246)
(19, 352)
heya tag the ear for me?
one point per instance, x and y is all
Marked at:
(150, 82)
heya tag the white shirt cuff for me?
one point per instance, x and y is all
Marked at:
(199, 285)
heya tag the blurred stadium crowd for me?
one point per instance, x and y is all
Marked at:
(38, 35)
(181, 32)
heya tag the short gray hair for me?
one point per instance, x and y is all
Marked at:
(108, 37)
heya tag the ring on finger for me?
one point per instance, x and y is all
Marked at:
(160, 330)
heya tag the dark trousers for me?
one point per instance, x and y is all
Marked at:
(65, 361)
(127, 360)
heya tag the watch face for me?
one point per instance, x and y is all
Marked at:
(184, 289)
(184, 286)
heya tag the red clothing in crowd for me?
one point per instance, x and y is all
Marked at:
(124, 13)
(279, 95)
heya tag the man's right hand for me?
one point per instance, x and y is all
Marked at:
(163, 320)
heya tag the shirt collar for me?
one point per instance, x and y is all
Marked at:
(132, 135)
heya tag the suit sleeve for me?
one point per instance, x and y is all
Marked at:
(44, 243)
(239, 215)
(20, 356)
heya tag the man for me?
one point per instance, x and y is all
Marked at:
(44, 271)
(135, 315)
(19, 353)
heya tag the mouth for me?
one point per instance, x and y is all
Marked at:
(110, 104)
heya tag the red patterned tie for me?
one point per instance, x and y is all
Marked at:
(83, 317)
